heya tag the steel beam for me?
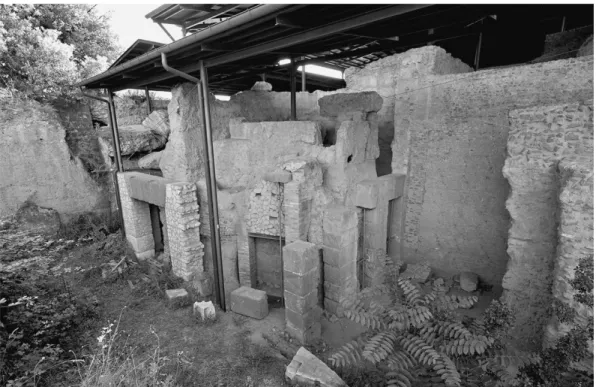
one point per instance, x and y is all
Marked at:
(210, 15)
(317, 33)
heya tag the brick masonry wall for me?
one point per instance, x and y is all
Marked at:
(576, 239)
(264, 215)
(182, 219)
(450, 136)
(538, 139)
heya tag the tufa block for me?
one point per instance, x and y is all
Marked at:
(249, 302)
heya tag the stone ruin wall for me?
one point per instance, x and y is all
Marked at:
(42, 163)
(540, 137)
(451, 128)
(576, 241)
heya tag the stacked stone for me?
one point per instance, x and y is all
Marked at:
(263, 212)
(576, 231)
(340, 254)
(302, 274)
(182, 216)
(137, 221)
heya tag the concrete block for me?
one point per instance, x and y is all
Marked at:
(301, 285)
(278, 176)
(249, 302)
(177, 298)
(305, 369)
(333, 105)
(300, 257)
(366, 194)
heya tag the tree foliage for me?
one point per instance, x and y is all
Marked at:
(45, 49)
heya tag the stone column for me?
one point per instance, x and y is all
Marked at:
(182, 217)
(340, 255)
(301, 280)
(137, 221)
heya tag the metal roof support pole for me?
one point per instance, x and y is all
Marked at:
(292, 89)
(303, 77)
(167, 32)
(115, 141)
(210, 180)
(477, 56)
(148, 97)
(115, 134)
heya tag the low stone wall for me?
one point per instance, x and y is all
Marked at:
(539, 138)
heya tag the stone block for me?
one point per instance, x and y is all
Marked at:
(300, 257)
(177, 298)
(332, 292)
(141, 244)
(237, 129)
(305, 369)
(468, 281)
(366, 194)
(417, 272)
(204, 309)
(145, 255)
(303, 321)
(308, 337)
(301, 285)
(338, 218)
(201, 281)
(249, 302)
(278, 176)
(147, 188)
(346, 241)
(333, 307)
(339, 275)
(392, 185)
(301, 304)
(335, 104)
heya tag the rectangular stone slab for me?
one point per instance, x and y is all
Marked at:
(250, 302)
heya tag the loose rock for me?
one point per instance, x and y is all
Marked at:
(307, 370)
(468, 281)
(417, 272)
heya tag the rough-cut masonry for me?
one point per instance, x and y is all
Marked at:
(576, 240)
(179, 213)
(301, 279)
(37, 164)
(565, 44)
(539, 138)
(450, 138)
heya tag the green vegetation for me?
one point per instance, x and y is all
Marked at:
(46, 48)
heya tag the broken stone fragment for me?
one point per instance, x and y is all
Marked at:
(133, 139)
(177, 298)
(468, 281)
(417, 272)
(204, 309)
(307, 370)
(158, 122)
(150, 161)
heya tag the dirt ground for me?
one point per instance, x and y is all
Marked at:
(232, 351)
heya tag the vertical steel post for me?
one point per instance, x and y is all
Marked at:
(115, 135)
(303, 77)
(148, 97)
(264, 77)
(477, 56)
(292, 89)
(563, 23)
(212, 181)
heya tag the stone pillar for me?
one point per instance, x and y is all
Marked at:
(137, 221)
(296, 208)
(182, 217)
(374, 197)
(340, 255)
(301, 280)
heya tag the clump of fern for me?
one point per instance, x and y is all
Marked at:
(414, 335)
